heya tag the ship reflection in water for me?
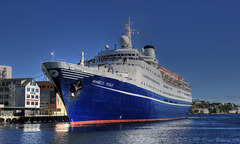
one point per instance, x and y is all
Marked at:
(197, 129)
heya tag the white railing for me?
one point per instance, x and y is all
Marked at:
(53, 60)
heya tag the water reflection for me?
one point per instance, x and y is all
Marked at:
(151, 132)
(31, 127)
(62, 127)
(158, 132)
(211, 129)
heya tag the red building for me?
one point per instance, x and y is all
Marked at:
(51, 103)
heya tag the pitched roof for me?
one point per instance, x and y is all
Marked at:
(26, 81)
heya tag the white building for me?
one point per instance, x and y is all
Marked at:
(5, 72)
(20, 92)
(201, 111)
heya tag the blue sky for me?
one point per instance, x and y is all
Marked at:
(199, 39)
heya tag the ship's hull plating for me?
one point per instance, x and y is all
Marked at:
(93, 99)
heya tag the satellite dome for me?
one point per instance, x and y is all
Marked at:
(123, 41)
(106, 47)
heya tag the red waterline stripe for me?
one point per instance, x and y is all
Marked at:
(95, 122)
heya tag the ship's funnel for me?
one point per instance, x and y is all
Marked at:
(149, 51)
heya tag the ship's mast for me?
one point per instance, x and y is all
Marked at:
(126, 40)
(129, 32)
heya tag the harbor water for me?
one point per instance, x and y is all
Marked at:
(195, 129)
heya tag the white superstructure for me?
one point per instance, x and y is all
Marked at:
(139, 68)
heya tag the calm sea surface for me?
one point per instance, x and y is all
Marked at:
(195, 129)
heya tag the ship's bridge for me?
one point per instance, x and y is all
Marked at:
(115, 55)
(118, 52)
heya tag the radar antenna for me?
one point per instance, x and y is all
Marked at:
(129, 31)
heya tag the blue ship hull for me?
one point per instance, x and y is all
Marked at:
(92, 99)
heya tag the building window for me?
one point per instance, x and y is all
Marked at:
(32, 90)
(32, 103)
(36, 96)
(28, 103)
(36, 103)
(28, 89)
(28, 96)
(33, 83)
(5, 103)
(1, 89)
(52, 97)
(32, 96)
(36, 90)
(18, 82)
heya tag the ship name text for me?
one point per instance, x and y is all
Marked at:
(103, 83)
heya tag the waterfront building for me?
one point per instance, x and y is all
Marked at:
(61, 110)
(20, 94)
(234, 111)
(201, 111)
(5, 72)
(51, 103)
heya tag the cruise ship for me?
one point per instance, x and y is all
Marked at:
(119, 85)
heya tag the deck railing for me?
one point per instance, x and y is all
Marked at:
(53, 60)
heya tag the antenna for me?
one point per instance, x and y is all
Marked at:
(129, 31)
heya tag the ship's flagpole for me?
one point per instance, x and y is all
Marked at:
(52, 53)
(82, 60)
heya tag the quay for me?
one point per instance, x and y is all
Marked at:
(9, 115)
(32, 119)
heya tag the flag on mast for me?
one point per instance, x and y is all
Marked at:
(52, 53)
